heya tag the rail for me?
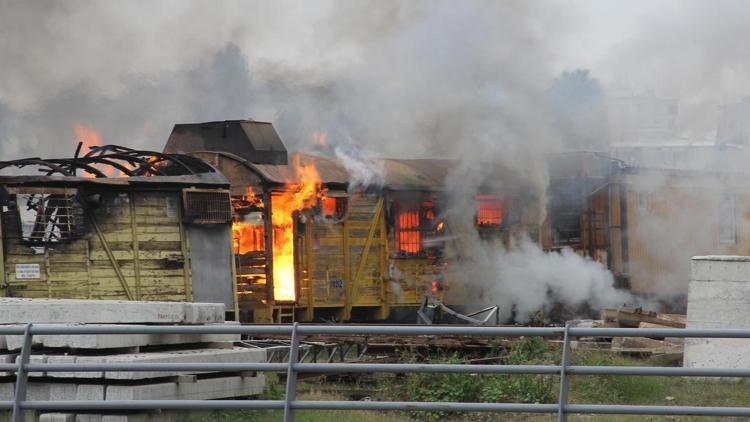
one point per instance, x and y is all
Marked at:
(290, 404)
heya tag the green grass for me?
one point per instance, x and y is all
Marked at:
(513, 388)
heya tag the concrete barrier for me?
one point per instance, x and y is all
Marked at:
(718, 297)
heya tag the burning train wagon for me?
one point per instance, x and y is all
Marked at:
(645, 224)
(310, 245)
(334, 254)
(116, 224)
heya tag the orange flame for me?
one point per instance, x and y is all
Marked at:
(89, 137)
(283, 206)
(489, 210)
(249, 236)
(321, 138)
(409, 237)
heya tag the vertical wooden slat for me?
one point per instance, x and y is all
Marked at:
(353, 286)
(135, 247)
(347, 266)
(184, 244)
(3, 281)
(309, 313)
(384, 279)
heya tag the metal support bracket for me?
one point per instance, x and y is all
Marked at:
(22, 376)
(562, 401)
(291, 376)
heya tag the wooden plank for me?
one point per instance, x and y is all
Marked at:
(365, 254)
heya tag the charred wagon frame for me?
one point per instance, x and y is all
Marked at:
(116, 224)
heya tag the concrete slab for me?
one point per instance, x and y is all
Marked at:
(204, 313)
(90, 392)
(85, 417)
(233, 355)
(57, 417)
(161, 416)
(63, 359)
(59, 391)
(57, 311)
(205, 389)
(720, 268)
(230, 355)
(40, 391)
(34, 359)
(113, 341)
(6, 359)
(132, 418)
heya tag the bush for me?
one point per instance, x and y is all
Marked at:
(482, 388)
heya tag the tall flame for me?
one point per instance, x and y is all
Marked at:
(283, 206)
(89, 137)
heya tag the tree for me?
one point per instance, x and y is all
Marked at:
(578, 103)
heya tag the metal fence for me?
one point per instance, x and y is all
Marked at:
(293, 367)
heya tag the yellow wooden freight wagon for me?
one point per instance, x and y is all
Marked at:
(644, 224)
(357, 253)
(116, 224)
(367, 251)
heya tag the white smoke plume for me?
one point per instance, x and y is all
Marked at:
(364, 169)
(525, 279)
(463, 80)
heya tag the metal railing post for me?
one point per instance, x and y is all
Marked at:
(562, 400)
(291, 377)
(22, 376)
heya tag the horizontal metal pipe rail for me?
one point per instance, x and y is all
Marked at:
(23, 367)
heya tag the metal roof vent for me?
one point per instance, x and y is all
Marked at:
(254, 141)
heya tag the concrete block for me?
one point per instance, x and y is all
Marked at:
(34, 359)
(57, 417)
(90, 392)
(63, 311)
(6, 359)
(204, 389)
(720, 268)
(718, 297)
(6, 391)
(138, 417)
(89, 359)
(64, 391)
(40, 391)
(37, 391)
(15, 343)
(86, 417)
(62, 359)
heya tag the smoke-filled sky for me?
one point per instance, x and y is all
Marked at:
(441, 78)
(400, 78)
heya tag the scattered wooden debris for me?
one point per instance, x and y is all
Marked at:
(633, 317)
(665, 349)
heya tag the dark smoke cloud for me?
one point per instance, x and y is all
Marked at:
(438, 74)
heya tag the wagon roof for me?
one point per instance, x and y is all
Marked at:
(396, 174)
